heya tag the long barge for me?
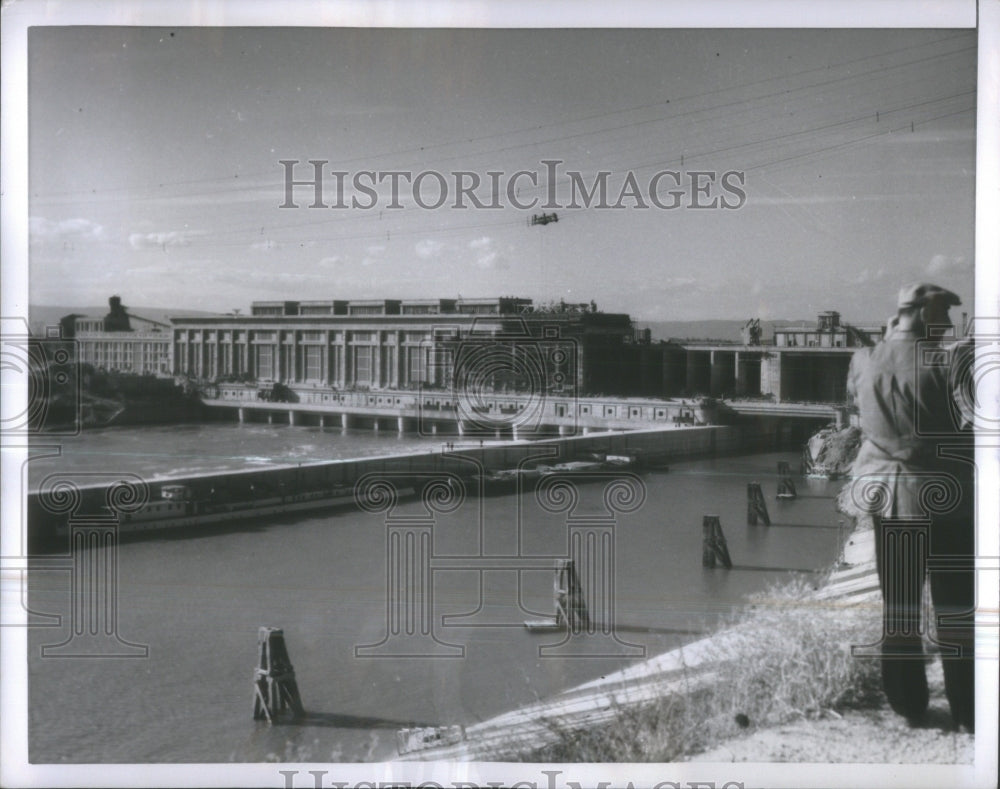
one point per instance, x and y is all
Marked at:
(173, 505)
(178, 509)
(250, 494)
(212, 498)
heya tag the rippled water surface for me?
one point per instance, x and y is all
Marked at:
(197, 600)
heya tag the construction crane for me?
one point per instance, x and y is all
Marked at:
(751, 332)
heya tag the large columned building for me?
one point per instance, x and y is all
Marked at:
(499, 344)
(505, 345)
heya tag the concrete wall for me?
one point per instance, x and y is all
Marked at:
(670, 444)
(770, 375)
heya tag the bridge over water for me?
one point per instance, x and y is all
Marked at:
(507, 415)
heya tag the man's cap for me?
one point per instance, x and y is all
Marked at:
(921, 293)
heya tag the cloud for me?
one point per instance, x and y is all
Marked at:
(330, 261)
(867, 276)
(171, 238)
(292, 282)
(947, 264)
(428, 248)
(265, 244)
(65, 229)
(485, 255)
(374, 251)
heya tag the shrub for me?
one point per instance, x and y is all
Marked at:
(784, 657)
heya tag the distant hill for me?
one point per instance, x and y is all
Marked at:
(42, 315)
(719, 330)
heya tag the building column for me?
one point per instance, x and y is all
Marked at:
(324, 362)
(397, 366)
(377, 362)
(770, 375)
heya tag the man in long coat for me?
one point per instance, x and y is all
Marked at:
(914, 470)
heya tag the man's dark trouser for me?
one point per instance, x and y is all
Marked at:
(902, 552)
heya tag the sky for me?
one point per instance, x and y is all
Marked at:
(155, 174)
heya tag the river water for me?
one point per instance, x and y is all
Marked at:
(186, 449)
(197, 601)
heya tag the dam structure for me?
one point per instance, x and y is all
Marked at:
(488, 367)
(321, 352)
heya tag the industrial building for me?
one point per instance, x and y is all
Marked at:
(806, 363)
(828, 332)
(120, 341)
(499, 344)
(502, 345)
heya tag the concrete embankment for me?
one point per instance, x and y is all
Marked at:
(459, 459)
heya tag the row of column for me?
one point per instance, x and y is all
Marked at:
(338, 363)
(345, 421)
(722, 373)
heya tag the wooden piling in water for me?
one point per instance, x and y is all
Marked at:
(756, 506)
(571, 606)
(713, 546)
(275, 689)
(786, 487)
(806, 463)
(569, 602)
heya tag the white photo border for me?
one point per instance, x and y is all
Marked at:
(19, 16)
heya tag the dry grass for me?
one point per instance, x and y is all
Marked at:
(657, 732)
(786, 657)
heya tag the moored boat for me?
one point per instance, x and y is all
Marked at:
(179, 507)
